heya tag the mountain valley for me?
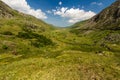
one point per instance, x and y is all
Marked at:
(31, 49)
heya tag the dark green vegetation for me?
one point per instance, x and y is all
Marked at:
(33, 50)
(39, 40)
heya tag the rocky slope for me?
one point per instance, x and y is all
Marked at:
(5, 11)
(109, 18)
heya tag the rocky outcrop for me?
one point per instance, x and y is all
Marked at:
(5, 11)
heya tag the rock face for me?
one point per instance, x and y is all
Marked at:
(109, 18)
(5, 11)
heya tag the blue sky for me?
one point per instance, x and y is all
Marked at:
(60, 12)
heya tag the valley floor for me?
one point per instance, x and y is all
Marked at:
(71, 57)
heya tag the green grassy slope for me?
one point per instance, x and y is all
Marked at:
(33, 50)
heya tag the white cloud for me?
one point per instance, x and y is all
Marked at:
(22, 6)
(95, 3)
(74, 14)
(49, 12)
(60, 3)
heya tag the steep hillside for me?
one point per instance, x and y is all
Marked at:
(109, 18)
(5, 11)
(104, 27)
(12, 18)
